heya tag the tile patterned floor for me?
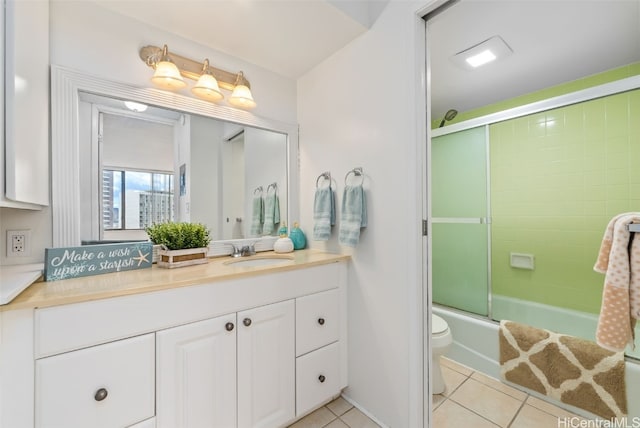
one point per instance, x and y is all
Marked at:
(337, 414)
(472, 399)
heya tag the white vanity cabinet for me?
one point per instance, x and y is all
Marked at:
(24, 64)
(258, 350)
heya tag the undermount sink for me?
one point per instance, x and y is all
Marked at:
(259, 260)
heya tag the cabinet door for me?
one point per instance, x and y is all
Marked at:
(104, 386)
(196, 378)
(266, 365)
(26, 128)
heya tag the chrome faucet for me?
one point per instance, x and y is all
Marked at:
(244, 250)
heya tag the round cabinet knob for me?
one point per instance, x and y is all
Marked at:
(101, 394)
(321, 321)
(321, 378)
(229, 326)
(246, 322)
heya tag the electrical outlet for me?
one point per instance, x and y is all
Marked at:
(18, 243)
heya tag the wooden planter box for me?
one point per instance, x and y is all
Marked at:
(179, 258)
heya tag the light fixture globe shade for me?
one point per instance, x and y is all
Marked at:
(207, 88)
(168, 76)
(241, 97)
(137, 107)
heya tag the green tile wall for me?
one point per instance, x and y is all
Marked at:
(556, 179)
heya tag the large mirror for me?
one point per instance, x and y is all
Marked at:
(144, 164)
(118, 169)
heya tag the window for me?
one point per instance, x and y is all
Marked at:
(133, 200)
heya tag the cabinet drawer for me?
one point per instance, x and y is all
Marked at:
(111, 385)
(317, 321)
(317, 377)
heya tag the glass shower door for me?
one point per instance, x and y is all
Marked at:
(460, 230)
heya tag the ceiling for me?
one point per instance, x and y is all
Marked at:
(288, 37)
(553, 41)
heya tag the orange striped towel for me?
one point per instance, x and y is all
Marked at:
(621, 294)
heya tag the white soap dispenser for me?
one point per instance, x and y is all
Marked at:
(283, 244)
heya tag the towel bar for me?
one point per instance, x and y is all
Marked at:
(326, 175)
(634, 227)
(357, 172)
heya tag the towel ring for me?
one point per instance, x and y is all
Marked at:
(258, 189)
(357, 172)
(274, 185)
(326, 175)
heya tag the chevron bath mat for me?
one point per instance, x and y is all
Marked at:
(572, 370)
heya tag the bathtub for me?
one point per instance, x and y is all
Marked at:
(475, 344)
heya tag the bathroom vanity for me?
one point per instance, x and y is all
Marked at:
(216, 345)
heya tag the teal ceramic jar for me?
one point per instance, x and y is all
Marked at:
(297, 237)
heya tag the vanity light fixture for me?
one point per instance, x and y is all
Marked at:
(209, 79)
(207, 86)
(167, 75)
(482, 53)
(241, 96)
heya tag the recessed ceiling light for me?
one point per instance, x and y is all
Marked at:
(482, 53)
(481, 59)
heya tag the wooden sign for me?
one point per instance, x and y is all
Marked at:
(87, 260)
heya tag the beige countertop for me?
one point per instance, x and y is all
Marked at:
(44, 294)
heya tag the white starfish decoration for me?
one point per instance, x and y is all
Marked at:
(142, 258)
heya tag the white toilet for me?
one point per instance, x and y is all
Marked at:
(441, 340)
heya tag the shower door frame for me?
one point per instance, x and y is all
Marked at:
(607, 89)
(467, 220)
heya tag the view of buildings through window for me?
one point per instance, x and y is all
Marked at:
(133, 200)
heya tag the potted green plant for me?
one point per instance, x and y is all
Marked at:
(181, 244)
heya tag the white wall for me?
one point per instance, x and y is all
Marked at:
(265, 156)
(358, 109)
(86, 37)
(204, 184)
(234, 193)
